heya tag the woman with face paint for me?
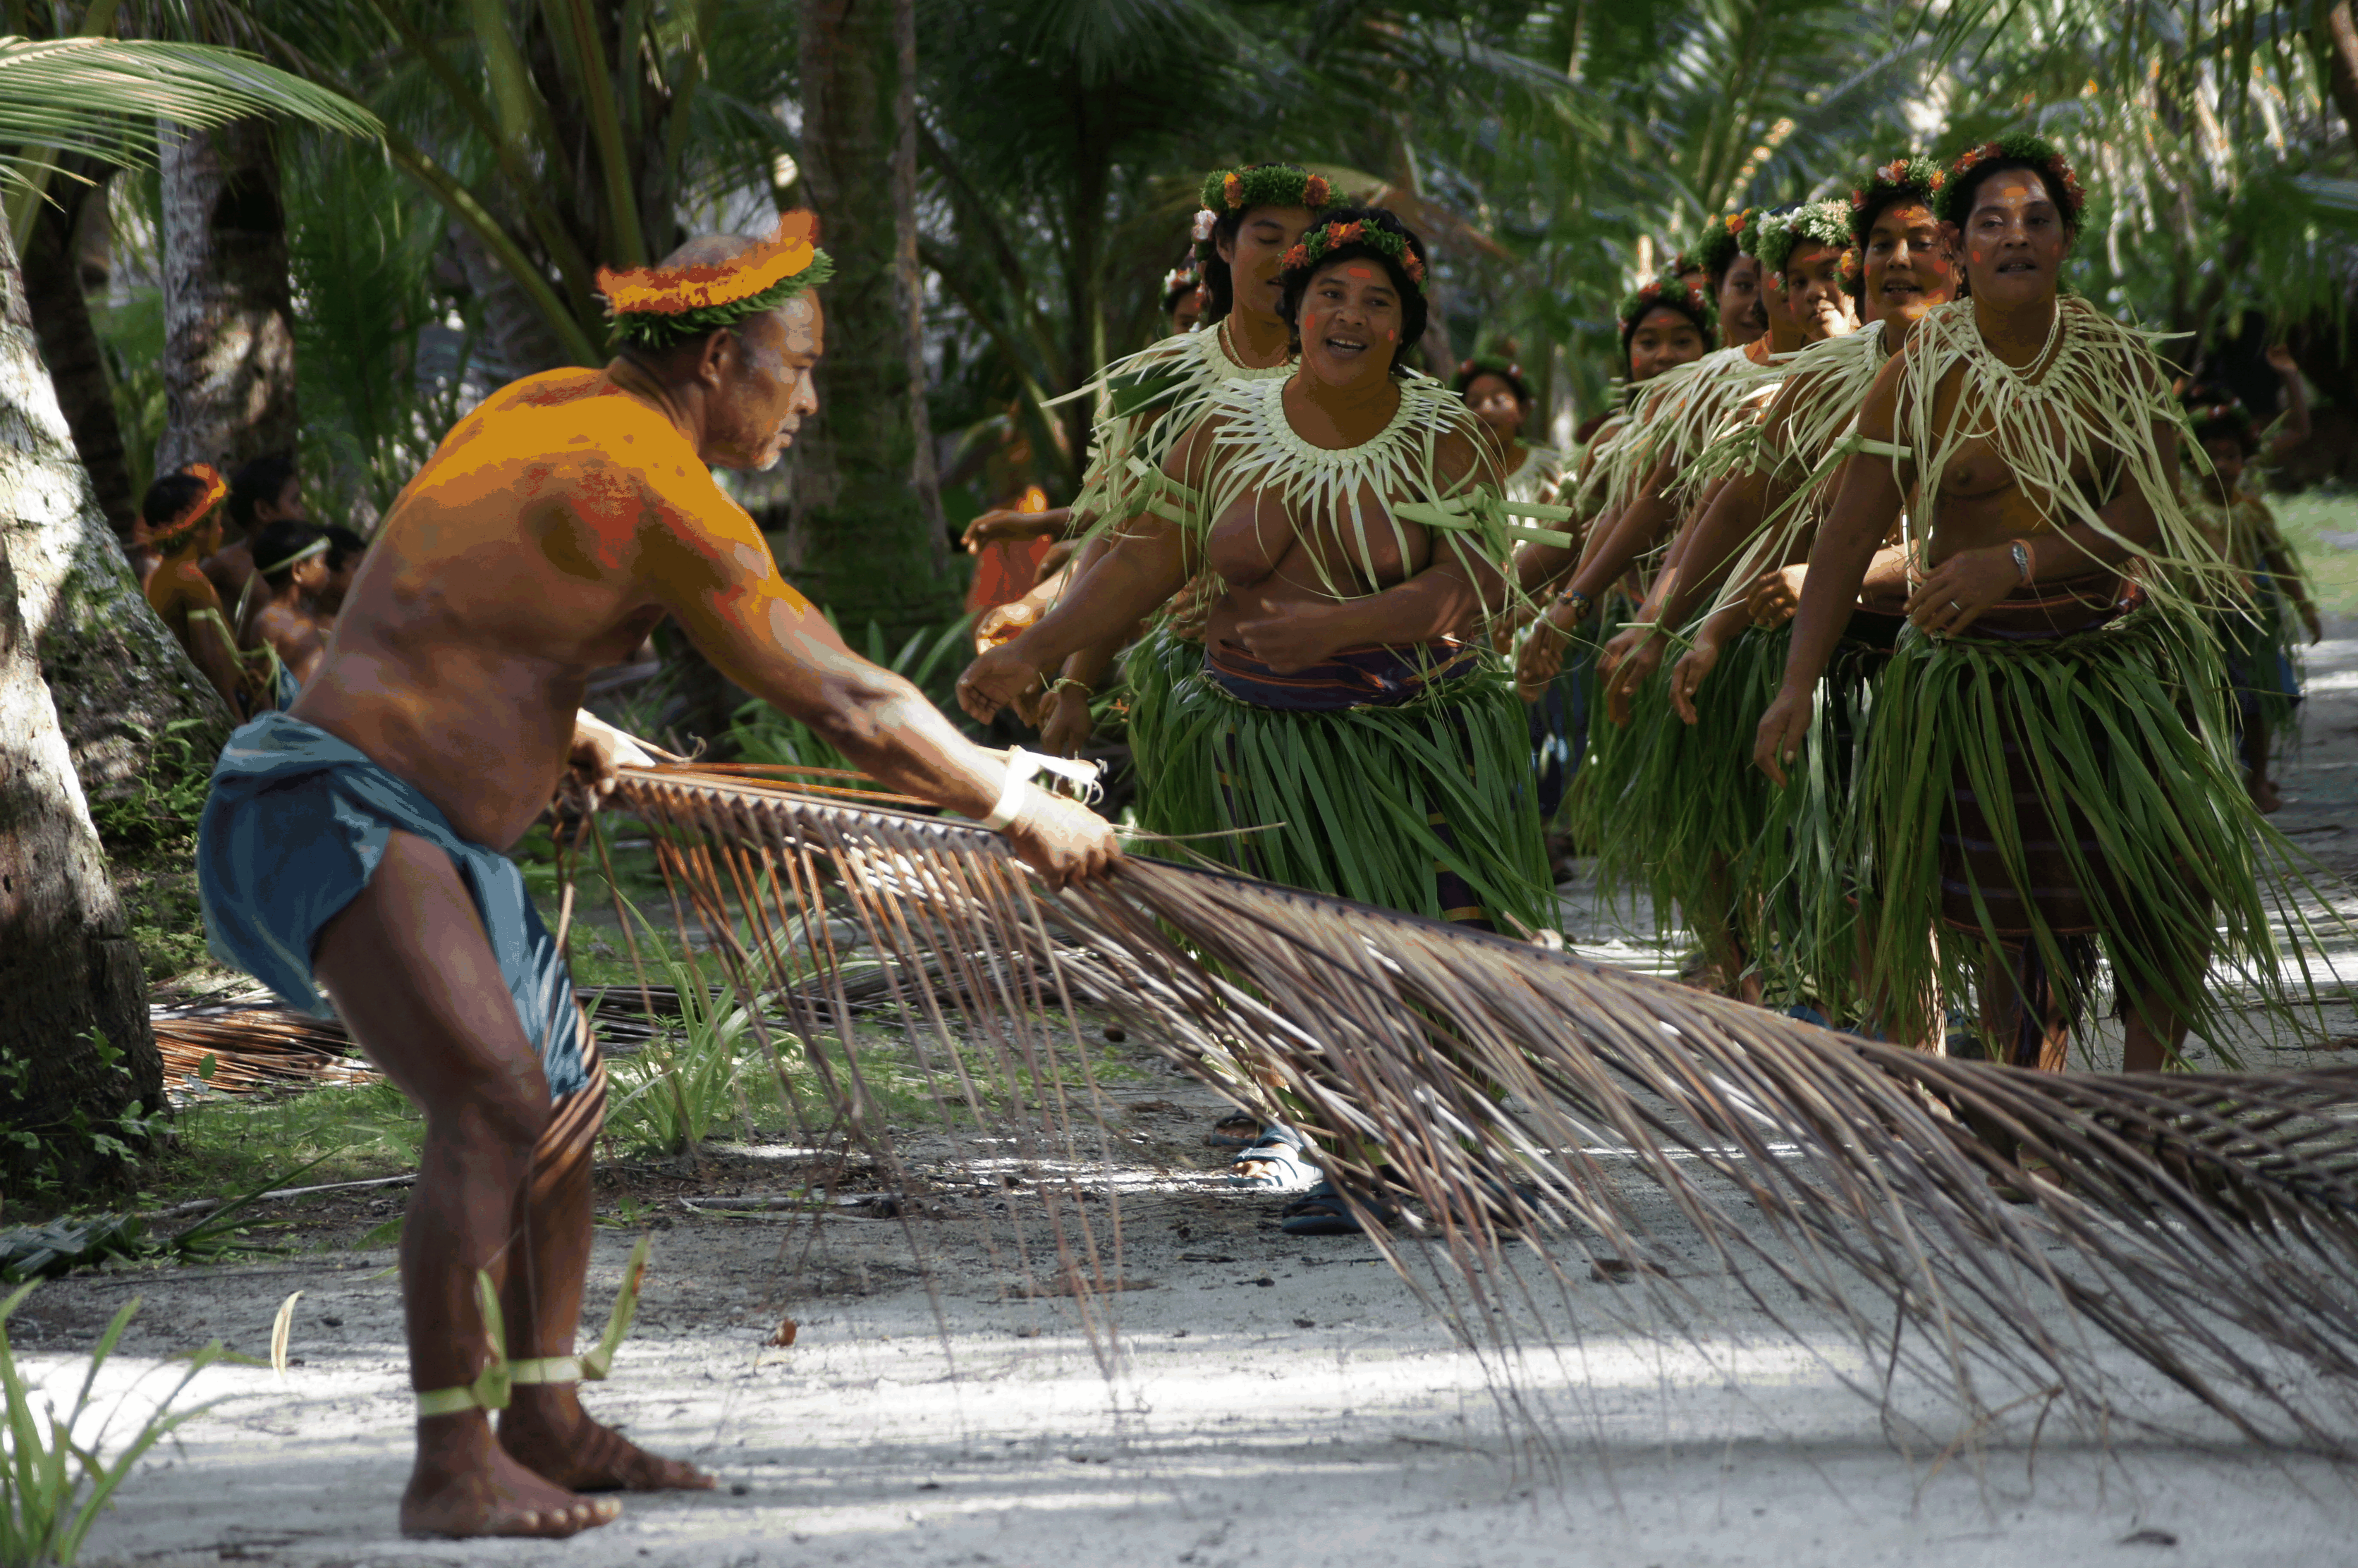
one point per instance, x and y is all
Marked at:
(1250, 217)
(1341, 728)
(1494, 389)
(1725, 825)
(1664, 324)
(1661, 474)
(2047, 773)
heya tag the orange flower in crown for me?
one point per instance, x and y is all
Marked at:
(656, 306)
(171, 536)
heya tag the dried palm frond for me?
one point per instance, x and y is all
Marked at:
(2207, 1223)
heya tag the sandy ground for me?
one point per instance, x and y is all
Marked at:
(1253, 1398)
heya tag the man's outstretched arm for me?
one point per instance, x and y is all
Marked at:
(715, 574)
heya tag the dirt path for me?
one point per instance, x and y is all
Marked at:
(1254, 1399)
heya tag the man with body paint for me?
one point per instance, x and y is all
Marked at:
(352, 846)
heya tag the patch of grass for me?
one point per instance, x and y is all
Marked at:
(227, 1143)
(54, 1485)
(2312, 521)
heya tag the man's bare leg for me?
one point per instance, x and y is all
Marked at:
(414, 977)
(543, 1427)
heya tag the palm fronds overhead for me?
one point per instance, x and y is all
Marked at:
(100, 97)
(2208, 1224)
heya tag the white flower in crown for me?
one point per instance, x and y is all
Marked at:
(1204, 219)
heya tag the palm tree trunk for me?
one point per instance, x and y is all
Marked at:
(118, 678)
(865, 535)
(53, 284)
(229, 354)
(75, 1047)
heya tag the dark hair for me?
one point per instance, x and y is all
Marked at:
(1953, 202)
(1475, 369)
(277, 541)
(264, 478)
(1257, 185)
(1414, 310)
(2216, 413)
(1715, 249)
(1905, 179)
(169, 496)
(1666, 292)
(343, 545)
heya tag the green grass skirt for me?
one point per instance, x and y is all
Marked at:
(1677, 808)
(1365, 802)
(2122, 734)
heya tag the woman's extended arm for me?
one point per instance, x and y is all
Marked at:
(1866, 503)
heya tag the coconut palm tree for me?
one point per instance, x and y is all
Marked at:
(84, 664)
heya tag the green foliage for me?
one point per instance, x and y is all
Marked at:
(48, 1155)
(131, 339)
(669, 1097)
(930, 660)
(2311, 522)
(55, 1478)
(100, 97)
(227, 1143)
(385, 372)
(162, 804)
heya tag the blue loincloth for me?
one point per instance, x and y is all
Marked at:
(293, 830)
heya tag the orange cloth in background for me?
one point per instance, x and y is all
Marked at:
(1005, 572)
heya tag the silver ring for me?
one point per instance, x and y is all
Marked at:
(1955, 606)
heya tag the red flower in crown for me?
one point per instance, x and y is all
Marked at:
(1893, 172)
(1857, 200)
(1940, 178)
(1295, 259)
(1315, 191)
(1348, 233)
(1413, 267)
(1736, 222)
(1232, 191)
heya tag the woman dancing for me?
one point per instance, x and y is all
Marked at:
(2047, 772)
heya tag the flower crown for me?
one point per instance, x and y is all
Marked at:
(2016, 147)
(1666, 290)
(184, 523)
(1227, 192)
(1820, 223)
(1179, 277)
(656, 306)
(1328, 238)
(1488, 364)
(2228, 411)
(1715, 248)
(1904, 177)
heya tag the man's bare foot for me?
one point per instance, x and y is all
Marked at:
(546, 1430)
(2266, 796)
(465, 1485)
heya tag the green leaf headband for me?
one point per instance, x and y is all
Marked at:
(1668, 291)
(1327, 238)
(1231, 191)
(2014, 147)
(1715, 248)
(1821, 222)
(1904, 177)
